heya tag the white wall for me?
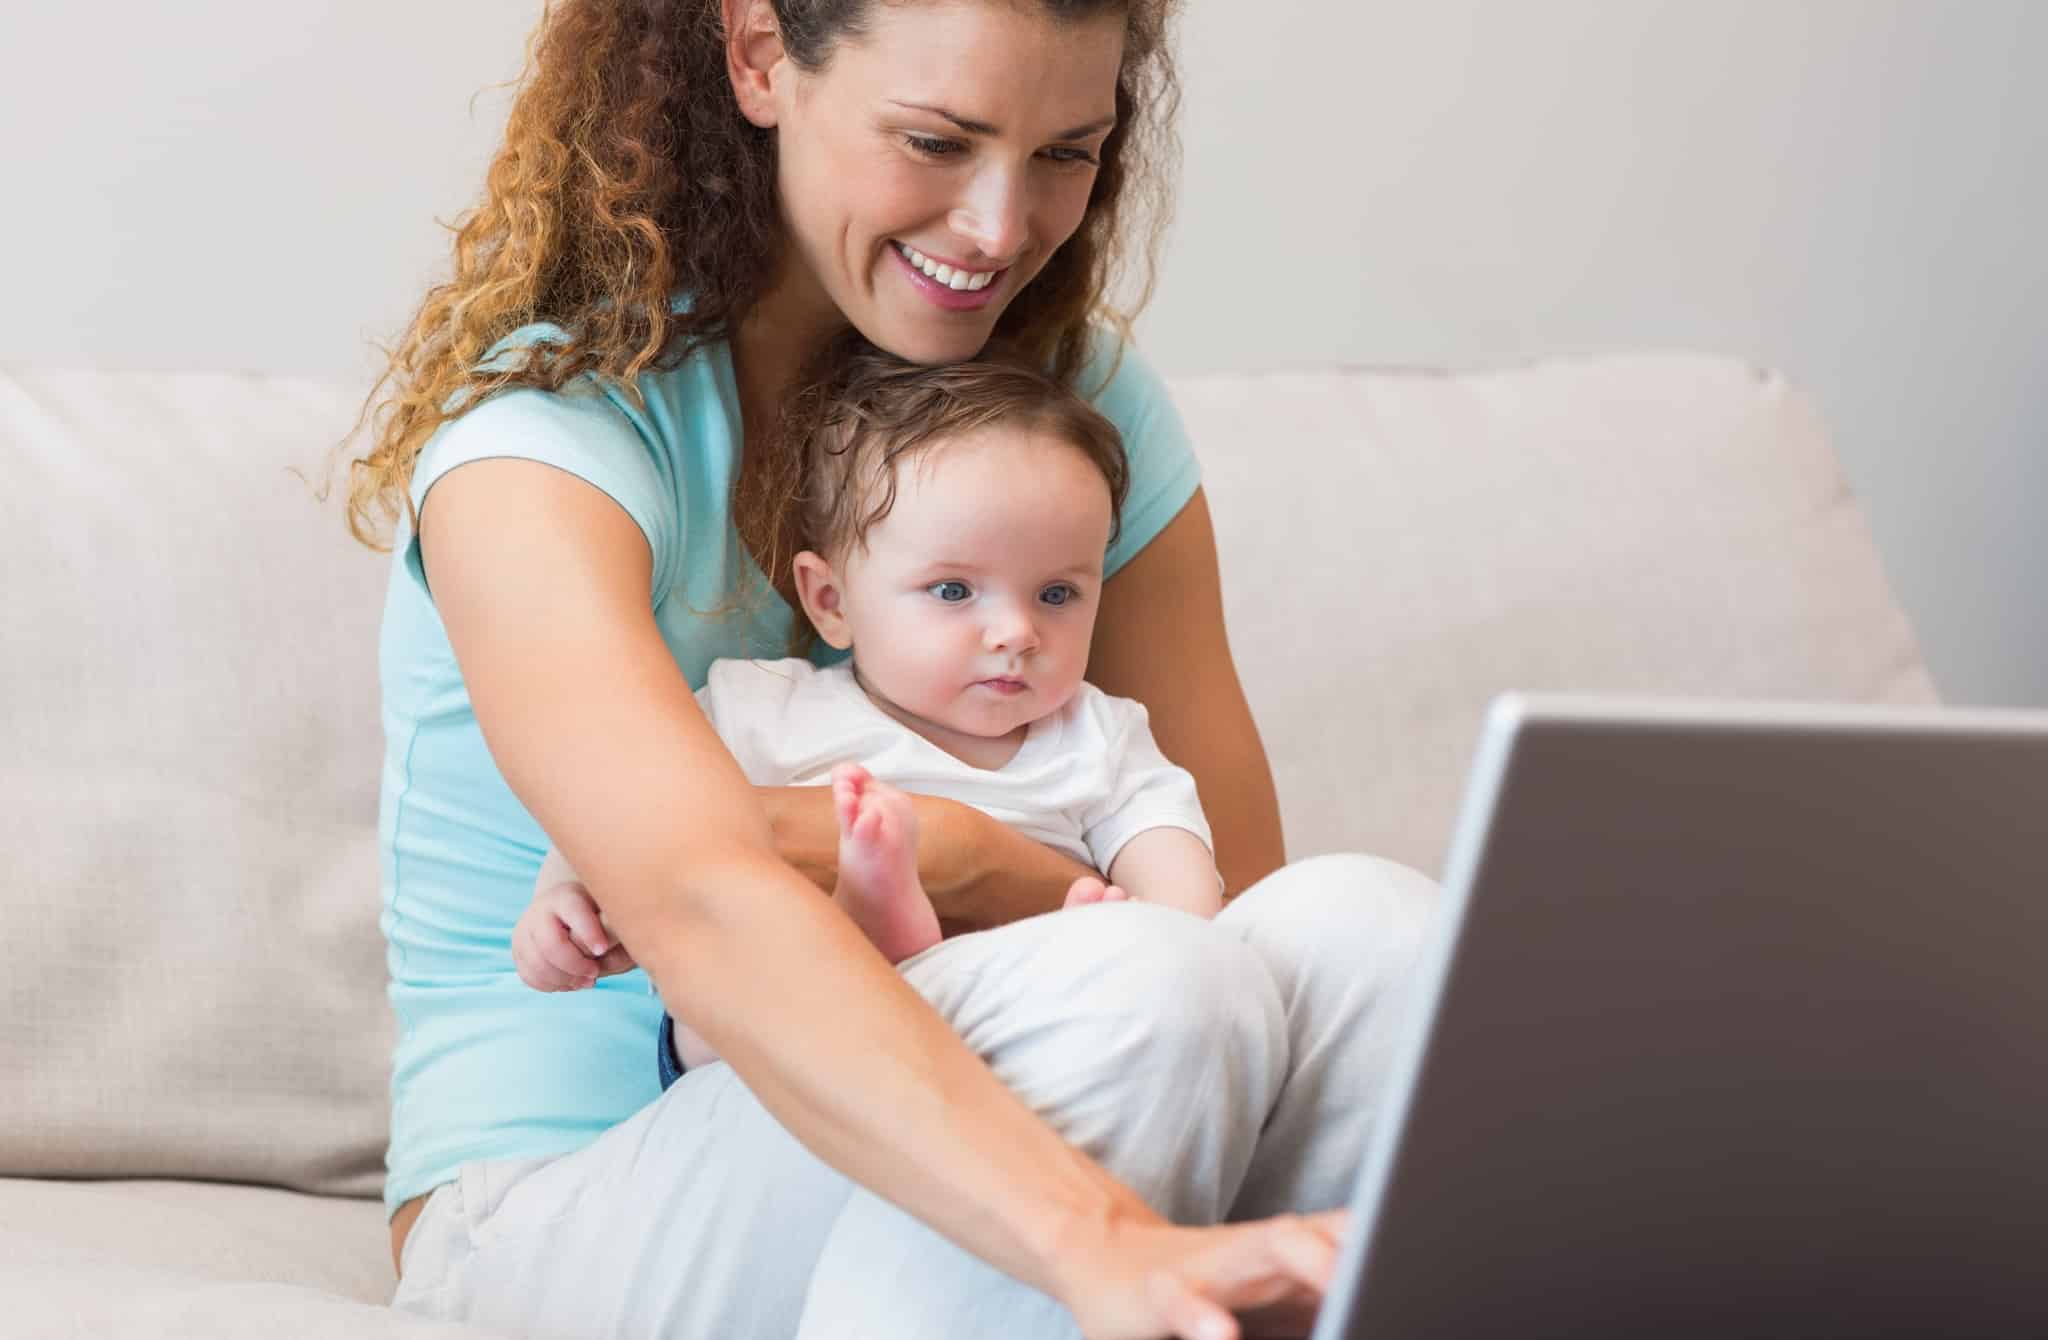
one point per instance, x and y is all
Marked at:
(1849, 189)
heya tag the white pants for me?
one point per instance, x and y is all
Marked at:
(1226, 1069)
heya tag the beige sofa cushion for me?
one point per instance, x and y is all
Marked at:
(188, 769)
(200, 1232)
(189, 740)
(1399, 546)
(158, 1259)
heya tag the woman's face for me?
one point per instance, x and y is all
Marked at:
(935, 163)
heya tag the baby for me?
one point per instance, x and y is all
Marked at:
(956, 519)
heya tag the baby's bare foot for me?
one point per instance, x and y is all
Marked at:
(878, 884)
(1093, 889)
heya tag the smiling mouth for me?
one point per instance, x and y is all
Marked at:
(960, 280)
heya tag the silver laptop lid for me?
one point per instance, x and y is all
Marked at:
(1738, 1024)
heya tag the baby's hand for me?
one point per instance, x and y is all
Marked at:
(560, 944)
(1091, 889)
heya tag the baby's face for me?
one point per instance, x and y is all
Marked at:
(973, 604)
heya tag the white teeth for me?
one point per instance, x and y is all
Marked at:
(957, 280)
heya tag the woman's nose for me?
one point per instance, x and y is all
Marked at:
(995, 214)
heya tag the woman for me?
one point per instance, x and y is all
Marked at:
(1015, 1135)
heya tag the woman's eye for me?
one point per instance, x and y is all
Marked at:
(1058, 595)
(950, 592)
(1069, 154)
(933, 146)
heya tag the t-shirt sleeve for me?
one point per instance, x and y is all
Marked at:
(1164, 471)
(1146, 790)
(578, 429)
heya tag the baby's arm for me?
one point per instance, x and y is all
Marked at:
(1171, 867)
(1148, 831)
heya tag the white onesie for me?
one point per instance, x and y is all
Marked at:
(1086, 780)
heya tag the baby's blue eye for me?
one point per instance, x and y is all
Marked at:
(1058, 595)
(950, 591)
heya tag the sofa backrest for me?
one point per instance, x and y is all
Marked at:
(189, 750)
(189, 736)
(1399, 546)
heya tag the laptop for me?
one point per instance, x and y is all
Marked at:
(1737, 1025)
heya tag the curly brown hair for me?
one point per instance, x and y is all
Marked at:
(628, 177)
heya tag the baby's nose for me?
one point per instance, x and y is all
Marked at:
(1013, 633)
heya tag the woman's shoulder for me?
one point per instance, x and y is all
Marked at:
(670, 396)
(1128, 391)
(503, 419)
(668, 438)
(1121, 382)
(1115, 374)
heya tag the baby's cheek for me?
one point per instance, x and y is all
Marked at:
(1062, 691)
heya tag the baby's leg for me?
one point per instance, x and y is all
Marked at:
(878, 884)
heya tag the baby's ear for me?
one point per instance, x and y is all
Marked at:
(817, 590)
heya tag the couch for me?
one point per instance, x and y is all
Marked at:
(195, 1035)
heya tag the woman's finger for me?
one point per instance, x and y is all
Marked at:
(1308, 1253)
(1330, 1224)
(1187, 1313)
(1289, 1246)
(1274, 1277)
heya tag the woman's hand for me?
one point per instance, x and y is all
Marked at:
(1152, 1280)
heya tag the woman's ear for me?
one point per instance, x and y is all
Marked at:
(817, 589)
(753, 51)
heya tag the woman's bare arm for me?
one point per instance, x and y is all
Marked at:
(543, 583)
(1160, 640)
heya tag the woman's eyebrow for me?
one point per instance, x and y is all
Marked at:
(984, 128)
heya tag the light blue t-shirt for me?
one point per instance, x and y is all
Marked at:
(486, 1067)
